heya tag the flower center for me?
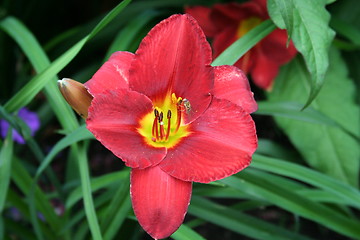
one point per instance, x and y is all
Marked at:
(246, 25)
(164, 127)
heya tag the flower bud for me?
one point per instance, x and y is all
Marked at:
(76, 95)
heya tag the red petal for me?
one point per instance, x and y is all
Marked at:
(221, 144)
(159, 200)
(113, 74)
(274, 47)
(202, 16)
(232, 84)
(174, 58)
(224, 39)
(264, 71)
(114, 118)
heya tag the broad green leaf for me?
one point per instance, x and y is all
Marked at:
(307, 24)
(328, 149)
(243, 44)
(237, 221)
(346, 29)
(6, 152)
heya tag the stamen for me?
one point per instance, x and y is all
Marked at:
(161, 123)
(179, 113)
(168, 126)
(155, 134)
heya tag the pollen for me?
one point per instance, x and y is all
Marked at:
(164, 126)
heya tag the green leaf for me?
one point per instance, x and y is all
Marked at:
(186, 233)
(346, 29)
(307, 24)
(81, 133)
(328, 149)
(117, 211)
(23, 181)
(237, 221)
(40, 61)
(257, 186)
(348, 193)
(128, 34)
(5, 167)
(243, 44)
(27, 93)
(97, 183)
(293, 110)
(87, 195)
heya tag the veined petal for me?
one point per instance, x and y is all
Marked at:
(113, 74)
(114, 119)
(224, 39)
(222, 142)
(177, 57)
(159, 200)
(202, 16)
(232, 84)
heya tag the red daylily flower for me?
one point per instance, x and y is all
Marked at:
(173, 119)
(225, 23)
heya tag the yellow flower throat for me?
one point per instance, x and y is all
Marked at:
(164, 126)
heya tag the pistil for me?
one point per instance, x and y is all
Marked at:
(161, 123)
(169, 125)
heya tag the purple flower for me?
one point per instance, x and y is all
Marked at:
(29, 117)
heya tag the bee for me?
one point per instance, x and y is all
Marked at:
(187, 105)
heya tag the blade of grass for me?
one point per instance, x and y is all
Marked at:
(87, 196)
(79, 134)
(40, 61)
(6, 153)
(119, 216)
(23, 181)
(309, 176)
(118, 209)
(128, 34)
(96, 184)
(27, 93)
(293, 110)
(293, 202)
(243, 44)
(238, 222)
(186, 233)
